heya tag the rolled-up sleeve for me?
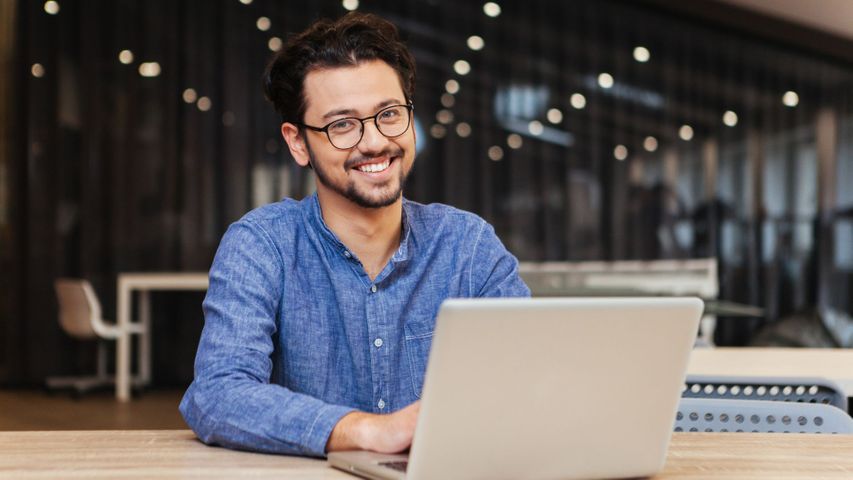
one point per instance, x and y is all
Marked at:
(231, 401)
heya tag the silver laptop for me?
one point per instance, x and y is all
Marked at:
(546, 388)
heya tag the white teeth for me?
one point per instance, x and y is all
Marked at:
(375, 167)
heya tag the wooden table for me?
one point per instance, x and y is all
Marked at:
(176, 454)
(144, 283)
(832, 363)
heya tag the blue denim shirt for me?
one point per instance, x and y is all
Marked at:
(296, 335)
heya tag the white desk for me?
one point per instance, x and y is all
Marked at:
(144, 283)
(835, 364)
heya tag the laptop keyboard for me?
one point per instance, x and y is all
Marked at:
(400, 466)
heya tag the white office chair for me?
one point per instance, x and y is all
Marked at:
(80, 317)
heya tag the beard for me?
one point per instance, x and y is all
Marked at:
(387, 194)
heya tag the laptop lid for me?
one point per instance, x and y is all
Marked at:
(552, 387)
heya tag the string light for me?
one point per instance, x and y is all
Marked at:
(475, 42)
(189, 95)
(513, 140)
(463, 129)
(554, 116)
(125, 57)
(535, 128)
(492, 9)
(37, 70)
(51, 7)
(462, 67)
(149, 69)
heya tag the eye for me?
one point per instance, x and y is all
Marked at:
(342, 126)
(390, 114)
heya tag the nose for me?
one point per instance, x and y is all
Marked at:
(372, 140)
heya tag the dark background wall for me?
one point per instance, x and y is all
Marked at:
(106, 171)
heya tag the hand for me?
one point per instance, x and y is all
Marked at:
(384, 433)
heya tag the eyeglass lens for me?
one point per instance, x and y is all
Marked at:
(391, 122)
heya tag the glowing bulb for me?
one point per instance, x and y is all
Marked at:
(476, 42)
(492, 9)
(263, 24)
(650, 144)
(730, 118)
(463, 129)
(350, 4)
(462, 67)
(535, 127)
(438, 131)
(513, 140)
(452, 87)
(605, 80)
(578, 101)
(620, 152)
(125, 57)
(274, 44)
(149, 69)
(496, 153)
(447, 100)
(51, 7)
(444, 116)
(203, 104)
(641, 54)
(189, 95)
(554, 116)
(790, 99)
(685, 133)
(37, 70)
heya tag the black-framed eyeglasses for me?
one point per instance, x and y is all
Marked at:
(345, 133)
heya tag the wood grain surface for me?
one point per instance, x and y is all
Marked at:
(177, 454)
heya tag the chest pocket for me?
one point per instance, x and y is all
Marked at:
(418, 342)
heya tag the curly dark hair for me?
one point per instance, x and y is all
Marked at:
(356, 37)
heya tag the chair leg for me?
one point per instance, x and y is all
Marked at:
(102, 360)
(82, 384)
(144, 357)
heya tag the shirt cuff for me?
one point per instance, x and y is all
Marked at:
(318, 433)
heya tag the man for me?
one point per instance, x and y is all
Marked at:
(320, 313)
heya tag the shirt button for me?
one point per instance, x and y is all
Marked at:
(373, 288)
(378, 342)
(347, 254)
(381, 404)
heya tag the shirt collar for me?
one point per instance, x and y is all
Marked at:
(314, 215)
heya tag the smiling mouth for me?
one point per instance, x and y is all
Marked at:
(374, 167)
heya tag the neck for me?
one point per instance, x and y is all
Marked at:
(373, 234)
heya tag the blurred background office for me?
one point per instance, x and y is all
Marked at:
(134, 132)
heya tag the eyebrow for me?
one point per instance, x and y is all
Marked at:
(349, 112)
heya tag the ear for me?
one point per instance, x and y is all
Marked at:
(296, 143)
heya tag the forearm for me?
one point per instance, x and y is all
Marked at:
(259, 417)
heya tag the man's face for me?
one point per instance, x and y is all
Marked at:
(355, 174)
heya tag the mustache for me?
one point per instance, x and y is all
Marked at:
(386, 152)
